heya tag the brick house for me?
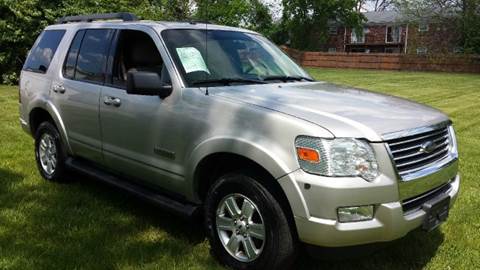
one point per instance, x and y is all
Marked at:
(388, 32)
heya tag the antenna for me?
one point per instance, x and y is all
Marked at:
(206, 45)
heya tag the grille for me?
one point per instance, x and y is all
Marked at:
(409, 153)
(415, 203)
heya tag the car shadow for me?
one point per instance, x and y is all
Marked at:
(73, 226)
(155, 216)
(413, 251)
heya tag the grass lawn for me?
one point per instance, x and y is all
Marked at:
(86, 225)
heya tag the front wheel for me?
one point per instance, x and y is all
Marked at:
(246, 226)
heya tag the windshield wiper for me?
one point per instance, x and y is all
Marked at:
(227, 81)
(286, 78)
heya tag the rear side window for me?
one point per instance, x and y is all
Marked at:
(43, 50)
(92, 56)
(71, 60)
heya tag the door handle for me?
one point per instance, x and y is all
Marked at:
(112, 101)
(58, 88)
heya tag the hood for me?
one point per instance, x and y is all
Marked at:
(344, 111)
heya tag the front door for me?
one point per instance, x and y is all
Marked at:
(136, 129)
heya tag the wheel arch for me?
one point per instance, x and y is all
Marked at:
(245, 157)
(46, 111)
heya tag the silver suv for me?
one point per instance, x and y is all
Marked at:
(217, 121)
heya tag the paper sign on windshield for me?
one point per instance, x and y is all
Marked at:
(191, 59)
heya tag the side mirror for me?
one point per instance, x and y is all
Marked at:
(147, 83)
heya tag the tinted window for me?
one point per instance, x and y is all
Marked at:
(43, 50)
(71, 60)
(92, 56)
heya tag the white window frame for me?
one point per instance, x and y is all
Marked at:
(332, 50)
(422, 50)
(458, 50)
(423, 27)
(399, 37)
(354, 34)
(333, 30)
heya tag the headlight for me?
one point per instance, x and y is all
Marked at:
(336, 157)
(453, 142)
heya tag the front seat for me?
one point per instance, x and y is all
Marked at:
(143, 55)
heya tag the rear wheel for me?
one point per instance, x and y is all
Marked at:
(246, 226)
(49, 152)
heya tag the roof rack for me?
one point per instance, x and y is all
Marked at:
(125, 16)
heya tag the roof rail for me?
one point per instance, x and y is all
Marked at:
(125, 16)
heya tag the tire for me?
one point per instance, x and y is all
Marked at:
(49, 149)
(277, 250)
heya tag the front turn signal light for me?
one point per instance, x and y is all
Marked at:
(308, 154)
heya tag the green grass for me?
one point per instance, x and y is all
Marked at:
(86, 225)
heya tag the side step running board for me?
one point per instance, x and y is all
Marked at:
(170, 205)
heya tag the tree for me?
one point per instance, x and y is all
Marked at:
(251, 14)
(22, 21)
(307, 21)
(462, 15)
(381, 5)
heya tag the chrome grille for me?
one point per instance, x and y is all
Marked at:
(415, 152)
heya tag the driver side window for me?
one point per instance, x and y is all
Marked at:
(136, 51)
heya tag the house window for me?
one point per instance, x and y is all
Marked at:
(393, 34)
(458, 49)
(332, 30)
(421, 50)
(423, 27)
(358, 37)
(332, 50)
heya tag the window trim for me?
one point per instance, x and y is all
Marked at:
(422, 48)
(423, 30)
(399, 39)
(39, 38)
(364, 36)
(332, 33)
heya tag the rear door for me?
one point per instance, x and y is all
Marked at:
(76, 90)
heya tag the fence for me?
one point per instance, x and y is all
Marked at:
(387, 61)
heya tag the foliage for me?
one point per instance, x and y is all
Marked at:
(22, 21)
(307, 21)
(462, 15)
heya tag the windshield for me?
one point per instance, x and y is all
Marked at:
(226, 57)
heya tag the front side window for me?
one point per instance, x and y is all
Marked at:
(393, 34)
(43, 50)
(136, 51)
(92, 56)
(216, 55)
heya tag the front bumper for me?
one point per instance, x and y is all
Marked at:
(315, 209)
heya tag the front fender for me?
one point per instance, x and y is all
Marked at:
(278, 161)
